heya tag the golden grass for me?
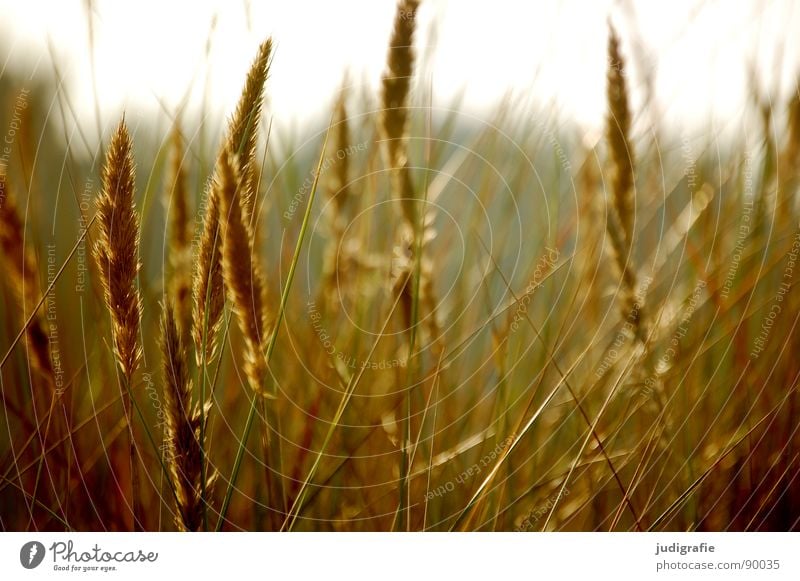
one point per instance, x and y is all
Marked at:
(23, 275)
(619, 126)
(244, 125)
(521, 389)
(184, 455)
(242, 274)
(117, 250)
(181, 233)
(241, 139)
(396, 86)
(623, 217)
(208, 296)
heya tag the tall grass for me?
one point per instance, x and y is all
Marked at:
(479, 326)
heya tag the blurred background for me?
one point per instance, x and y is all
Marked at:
(696, 57)
(690, 428)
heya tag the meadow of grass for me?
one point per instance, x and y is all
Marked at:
(406, 319)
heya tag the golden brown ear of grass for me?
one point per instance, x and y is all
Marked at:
(338, 257)
(117, 250)
(622, 217)
(209, 298)
(340, 180)
(180, 230)
(396, 86)
(183, 427)
(791, 151)
(242, 274)
(243, 126)
(618, 130)
(787, 164)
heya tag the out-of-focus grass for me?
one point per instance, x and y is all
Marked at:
(540, 412)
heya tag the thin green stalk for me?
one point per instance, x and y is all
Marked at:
(405, 465)
(151, 440)
(271, 346)
(348, 393)
(137, 525)
(43, 440)
(203, 372)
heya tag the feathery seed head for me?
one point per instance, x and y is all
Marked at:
(242, 275)
(180, 225)
(618, 131)
(183, 426)
(117, 249)
(341, 177)
(207, 286)
(243, 126)
(396, 86)
(397, 80)
(209, 295)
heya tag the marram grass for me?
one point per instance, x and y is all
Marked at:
(495, 326)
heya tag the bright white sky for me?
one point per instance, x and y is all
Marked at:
(149, 53)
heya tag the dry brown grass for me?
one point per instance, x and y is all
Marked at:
(618, 135)
(116, 250)
(207, 287)
(791, 151)
(531, 407)
(396, 87)
(244, 125)
(241, 139)
(622, 219)
(242, 273)
(340, 189)
(185, 456)
(338, 256)
(116, 253)
(180, 233)
(23, 274)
